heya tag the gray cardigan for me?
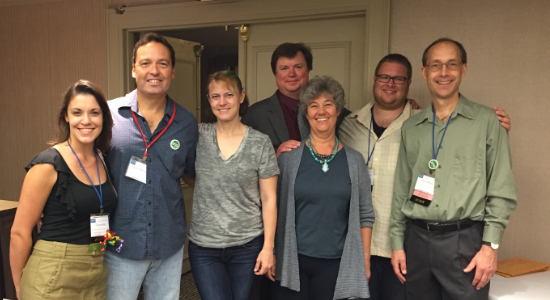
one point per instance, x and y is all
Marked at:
(352, 278)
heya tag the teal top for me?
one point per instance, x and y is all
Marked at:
(322, 196)
(474, 178)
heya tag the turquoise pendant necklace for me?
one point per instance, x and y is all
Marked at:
(325, 158)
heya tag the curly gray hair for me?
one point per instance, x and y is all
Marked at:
(324, 85)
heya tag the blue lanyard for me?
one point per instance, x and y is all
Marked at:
(100, 193)
(371, 129)
(434, 154)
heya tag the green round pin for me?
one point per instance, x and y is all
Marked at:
(175, 144)
(433, 164)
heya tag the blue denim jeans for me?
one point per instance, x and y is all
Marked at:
(160, 277)
(225, 273)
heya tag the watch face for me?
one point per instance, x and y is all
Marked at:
(494, 246)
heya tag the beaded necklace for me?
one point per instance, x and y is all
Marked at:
(323, 159)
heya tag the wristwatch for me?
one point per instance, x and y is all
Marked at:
(492, 245)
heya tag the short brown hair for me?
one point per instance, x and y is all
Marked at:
(290, 50)
(398, 59)
(156, 38)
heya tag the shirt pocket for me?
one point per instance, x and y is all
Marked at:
(467, 162)
(174, 161)
(392, 156)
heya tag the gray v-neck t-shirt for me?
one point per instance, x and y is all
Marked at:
(226, 203)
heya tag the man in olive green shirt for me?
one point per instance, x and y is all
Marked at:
(453, 190)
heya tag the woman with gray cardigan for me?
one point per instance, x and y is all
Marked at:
(324, 225)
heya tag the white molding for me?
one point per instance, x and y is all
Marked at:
(346, 45)
(185, 62)
(234, 12)
(256, 50)
(23, 2)
(378, 32)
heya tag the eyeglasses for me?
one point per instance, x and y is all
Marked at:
(387, 78)
(436, 66)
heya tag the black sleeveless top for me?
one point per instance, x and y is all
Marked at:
(70, 203)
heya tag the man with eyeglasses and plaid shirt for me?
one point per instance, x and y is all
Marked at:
(454, 188)
(375, 131)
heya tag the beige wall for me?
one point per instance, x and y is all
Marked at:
(508, 46)
(46, 47)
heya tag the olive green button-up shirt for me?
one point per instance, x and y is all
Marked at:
(474, 179)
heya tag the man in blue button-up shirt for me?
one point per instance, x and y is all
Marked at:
(150, 215)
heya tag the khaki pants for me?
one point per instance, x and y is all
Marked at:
(64, 271)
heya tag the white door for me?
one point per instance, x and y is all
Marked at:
(185, 91)
(185, 86)
(327, 22)
(338, 48)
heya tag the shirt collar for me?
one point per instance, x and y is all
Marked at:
(464, 107)
(131, 102)
(363, 116)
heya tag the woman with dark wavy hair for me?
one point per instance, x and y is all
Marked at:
(69, 184)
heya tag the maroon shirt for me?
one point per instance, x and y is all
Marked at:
(290, 111)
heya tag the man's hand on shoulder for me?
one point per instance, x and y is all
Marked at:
(287, 146)
(414, 105)
(485, 264)
(503, 118)
(399, 263)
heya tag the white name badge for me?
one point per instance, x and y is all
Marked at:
(137, 169)
(99, 224)
(371, 175)
(423, 190)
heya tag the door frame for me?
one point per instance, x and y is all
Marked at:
(120, 27)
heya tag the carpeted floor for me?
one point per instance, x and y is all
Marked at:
(188, 290)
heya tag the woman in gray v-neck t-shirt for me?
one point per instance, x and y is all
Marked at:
(226, 204)
(232, 232)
